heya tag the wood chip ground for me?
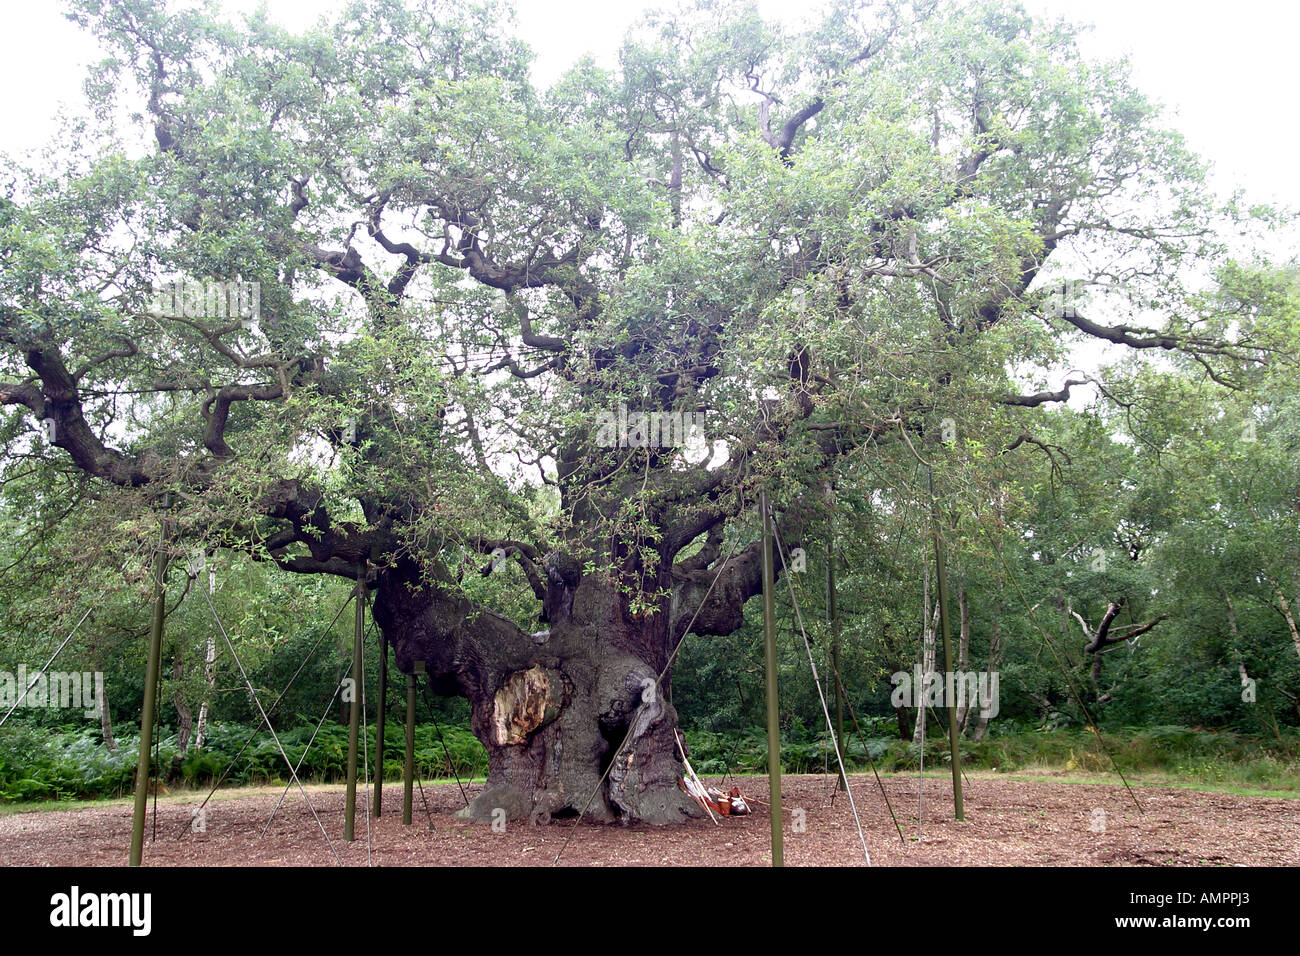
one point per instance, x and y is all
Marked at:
(1009, 823)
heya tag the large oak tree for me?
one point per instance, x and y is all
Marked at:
(825, 243)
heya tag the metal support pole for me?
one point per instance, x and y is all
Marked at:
(354, 710)
(144, 762)
(408, 771)
(950, 678)
(833, 613)
(769, 644)
(379, 726)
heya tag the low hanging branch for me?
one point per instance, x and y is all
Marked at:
(1101, 640)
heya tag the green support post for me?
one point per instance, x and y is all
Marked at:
(144, 761)
(833, 614)
(408, 771)
(379, 727)
(769, 644)
(354, 711)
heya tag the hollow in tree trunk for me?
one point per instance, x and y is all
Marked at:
(553, 708)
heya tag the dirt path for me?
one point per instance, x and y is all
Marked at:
(1009, 823)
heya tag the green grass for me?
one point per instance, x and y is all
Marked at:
(64, 768)
(1154, 756)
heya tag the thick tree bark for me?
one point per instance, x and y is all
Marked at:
(555, 708)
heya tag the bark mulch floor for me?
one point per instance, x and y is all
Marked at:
(1008, 823)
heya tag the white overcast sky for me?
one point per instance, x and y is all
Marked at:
(1226, 69)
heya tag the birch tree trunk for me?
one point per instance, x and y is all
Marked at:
(209, 674)
(963, 649)
(929, 619)
(1286, 612)
(105, 718)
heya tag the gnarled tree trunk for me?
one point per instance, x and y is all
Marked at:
(551, 708)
